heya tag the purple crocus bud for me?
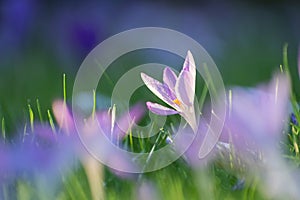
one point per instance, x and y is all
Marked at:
(177, 92)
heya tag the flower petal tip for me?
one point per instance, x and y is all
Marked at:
(189, 62)
(143, 76)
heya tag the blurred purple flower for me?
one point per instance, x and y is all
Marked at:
(187, 143)
(109, 126)
(41, 153)
(177, 92)
(114, 128)
(254, 125)
(46, 149)
(256, 117)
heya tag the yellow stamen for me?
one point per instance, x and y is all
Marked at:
(177, 102)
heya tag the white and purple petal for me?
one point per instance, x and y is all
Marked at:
(162, 91)
(170, 78)
(159, 109)
(184, 89)
(186, 82)
(189, 64)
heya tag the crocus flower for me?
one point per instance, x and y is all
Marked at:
(254, 124)
(176, 91)
(256, 116)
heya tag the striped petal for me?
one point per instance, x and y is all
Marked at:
(170, 78)
(183, 89)
(162, 91)
(185, 85)
(189, 64)
(160, 110)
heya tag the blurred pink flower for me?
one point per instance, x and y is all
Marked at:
(177, 92)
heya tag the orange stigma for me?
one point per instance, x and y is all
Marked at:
(177, 102)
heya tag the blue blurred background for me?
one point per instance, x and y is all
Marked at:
(40, 40)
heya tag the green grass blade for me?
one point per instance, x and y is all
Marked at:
(3, 128)
(31, 118)
(94, 104)
(39, 110)
(285, 58)
(50, 118)
(64, 88)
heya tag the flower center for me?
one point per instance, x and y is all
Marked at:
(176, 101)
